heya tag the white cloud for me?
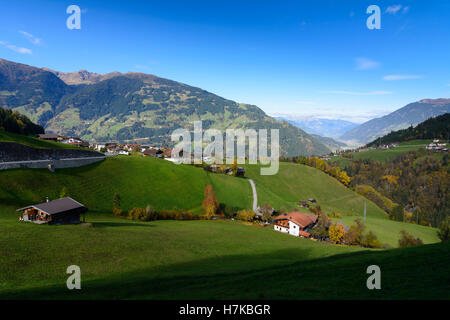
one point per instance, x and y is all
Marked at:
(30, 37)
(366, 64)
(16, 48)
(393, 9)
(405, 9)
(361, 93)
(394, 77)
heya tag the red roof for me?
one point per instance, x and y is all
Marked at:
(301, 219)
(304, 234)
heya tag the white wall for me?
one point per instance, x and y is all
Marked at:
(281, 229)
(294, 229)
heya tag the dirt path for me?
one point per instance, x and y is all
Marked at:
(255, 195)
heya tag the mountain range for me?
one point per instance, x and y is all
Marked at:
(410, 115)
(332, 128)
(132, 107)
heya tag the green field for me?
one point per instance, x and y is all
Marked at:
(139, 181)
(123, 259)
(295, 182)
(383, 155)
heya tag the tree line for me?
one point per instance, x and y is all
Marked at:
(13, 121)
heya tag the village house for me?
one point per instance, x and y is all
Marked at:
(49, 136)
(60, 211)
(295, 223)
(436, 146)
(132, 146)
(155, 153)
(75, 142)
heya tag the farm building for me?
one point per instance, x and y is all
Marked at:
(295, 223)
(60, 211)
(49, 136)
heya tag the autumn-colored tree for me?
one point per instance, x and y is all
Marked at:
(210, 203)
(63, 192)
(336, 232)
(354, 235)
(444, 230)
(408, 240)
(117, 210)
(246, 215)
(320, 230)
(234, 166)
(266, 211)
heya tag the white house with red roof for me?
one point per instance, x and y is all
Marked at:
(295, 223)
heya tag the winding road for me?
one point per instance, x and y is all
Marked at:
(255, 195)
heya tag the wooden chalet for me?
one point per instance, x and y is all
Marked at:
(48, 136)
(60, 211)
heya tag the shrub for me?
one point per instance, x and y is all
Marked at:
(335, 215)
(246, 215)
(117, 212)
(136, 214)
(336, 232)
(320, 230)
(370, 240)
(408, 240)
(210, 203)
(355, 233)
(63, 192)
(444, 230)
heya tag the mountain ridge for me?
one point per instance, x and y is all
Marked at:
(132, 106)
(411, 114)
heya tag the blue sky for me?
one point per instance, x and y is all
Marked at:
(289, 57)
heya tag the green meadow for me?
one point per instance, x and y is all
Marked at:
(34, 142)
(223, 259)
(384, 154)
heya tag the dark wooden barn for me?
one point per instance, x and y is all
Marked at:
(60, 211)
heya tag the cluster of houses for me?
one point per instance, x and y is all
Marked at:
(217, 168)
(64, 139)
(437, 146)
(112, 147)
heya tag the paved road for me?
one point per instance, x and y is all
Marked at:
(255, 195)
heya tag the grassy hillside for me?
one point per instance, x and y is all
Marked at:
(123, 259)
(384, 154)
(198, 259)
(138, 180)
(295, 182)
(33, 142)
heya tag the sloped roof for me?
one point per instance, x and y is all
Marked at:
(56, 206)
(48, 136)
(301, 219)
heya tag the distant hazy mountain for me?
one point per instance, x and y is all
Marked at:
(132, 107)
(433, 128)
(323, 127)
(332, 144)
(412, 114)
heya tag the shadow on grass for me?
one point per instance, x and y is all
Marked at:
(121, 224)
(341, 276)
